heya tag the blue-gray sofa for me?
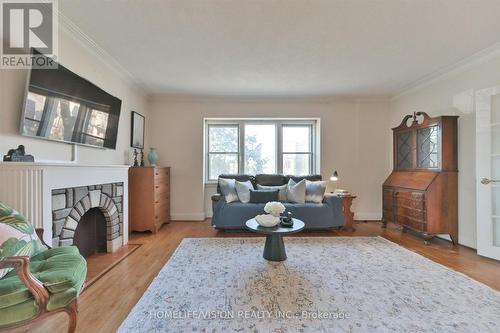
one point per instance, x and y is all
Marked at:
(232, 216)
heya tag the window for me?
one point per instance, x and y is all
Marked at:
(223, 150)
(256, 146)
(297, 149)
(260, 148)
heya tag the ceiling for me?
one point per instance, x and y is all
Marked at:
(285, 47)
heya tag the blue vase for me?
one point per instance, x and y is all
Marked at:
(153, 157)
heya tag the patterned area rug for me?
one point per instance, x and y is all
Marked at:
(334, 284)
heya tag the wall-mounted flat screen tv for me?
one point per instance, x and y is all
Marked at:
(62, 106)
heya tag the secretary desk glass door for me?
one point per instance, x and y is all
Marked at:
(404, 153)
(428, 147)
(488, 172)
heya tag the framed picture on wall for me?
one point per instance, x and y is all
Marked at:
(137, 131)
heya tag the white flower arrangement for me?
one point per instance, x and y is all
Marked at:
(274, 208)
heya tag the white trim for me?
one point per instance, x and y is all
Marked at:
(69, 27)
(188, 98)
(187, 217)
(313, 122)
(478, 58)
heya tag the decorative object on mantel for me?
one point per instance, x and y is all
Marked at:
(421, 193)
(152, 156)
(142, 158)
(18, 155)
(136, 163)
(137, 131)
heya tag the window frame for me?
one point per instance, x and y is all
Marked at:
(314, 153)
(207, 149)
(311, 145)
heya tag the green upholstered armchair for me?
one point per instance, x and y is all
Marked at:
(34, 286)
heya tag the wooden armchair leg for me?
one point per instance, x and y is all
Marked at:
(72, 311)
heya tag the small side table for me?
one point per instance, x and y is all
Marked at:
(348, 215)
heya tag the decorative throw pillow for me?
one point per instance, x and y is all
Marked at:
(282, 190)
(17, 236)
(315, 191)
(296, 192)
(228, 189)
(243, 190)
(263, 196)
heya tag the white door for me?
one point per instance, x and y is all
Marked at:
(488, 172)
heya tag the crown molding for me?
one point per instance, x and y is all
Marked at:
(187, 98)
(463, 65)
(90, 45)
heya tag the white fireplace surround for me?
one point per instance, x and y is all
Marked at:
(27, 187)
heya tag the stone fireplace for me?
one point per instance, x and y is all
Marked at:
(70, 206)
(56, 196)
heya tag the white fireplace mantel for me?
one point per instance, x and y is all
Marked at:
(27, 187)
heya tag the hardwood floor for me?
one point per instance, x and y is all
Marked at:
(100, 263)
(106, 303)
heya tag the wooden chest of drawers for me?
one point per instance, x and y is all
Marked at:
(149, 198)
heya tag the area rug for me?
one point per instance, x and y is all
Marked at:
(327, 284)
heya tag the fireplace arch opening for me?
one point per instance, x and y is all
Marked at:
(71, 204)
(90, 234)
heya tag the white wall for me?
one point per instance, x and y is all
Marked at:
(90, 65)
(436, 98)
(354, 140)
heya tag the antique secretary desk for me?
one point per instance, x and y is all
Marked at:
(421, 192)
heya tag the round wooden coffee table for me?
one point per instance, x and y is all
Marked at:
(274, 250)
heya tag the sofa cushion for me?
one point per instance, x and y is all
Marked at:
(228, 189)
(282, 190)
(238, 177)
(243, 190)
(315, 191)
(296, 192)
(263, 196)
(312, 178)
(17, 236)
(59, 269)
(270, 179)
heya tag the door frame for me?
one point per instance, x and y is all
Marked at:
(484, 216)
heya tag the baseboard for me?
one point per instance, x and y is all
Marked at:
(187, 217)
(367, 216)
